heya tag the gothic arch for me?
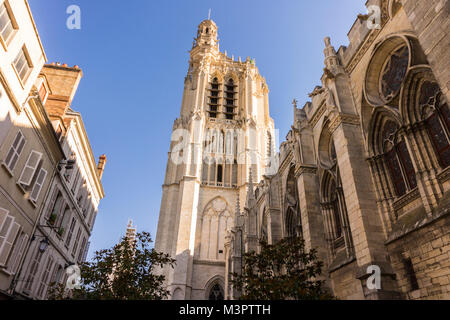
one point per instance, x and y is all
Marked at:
(292, 219)
(391, 60)
(216, 282)
(325, 147)
(216, 74)
(216, 220)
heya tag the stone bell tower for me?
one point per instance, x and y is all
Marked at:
(223, 130)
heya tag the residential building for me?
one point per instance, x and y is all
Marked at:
(50, 183)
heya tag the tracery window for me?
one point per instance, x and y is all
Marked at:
(394, 72)
(216, 293)
(220, 166)
(437, 120)
(292, 221)
(398, 159)
(214, 98)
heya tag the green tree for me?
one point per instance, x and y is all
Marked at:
(124, 272)
(283, 271)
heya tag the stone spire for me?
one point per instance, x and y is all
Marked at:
(237, 213)
(250, 194)
(131, 231)
(331, 58)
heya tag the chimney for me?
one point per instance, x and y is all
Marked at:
(101, 165)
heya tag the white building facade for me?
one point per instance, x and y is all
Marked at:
(224, 133)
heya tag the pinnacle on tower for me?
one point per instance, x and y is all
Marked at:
(237, 213)
(250, 195)
(331, 58)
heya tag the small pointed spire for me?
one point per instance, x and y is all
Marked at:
(250, 194)
(209, 14)
(237, 213)
(331, 58)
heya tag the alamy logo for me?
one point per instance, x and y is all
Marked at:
(74, 20)
(73, 281)
(374, 280)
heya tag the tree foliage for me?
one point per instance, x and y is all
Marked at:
(124, 272)
(283, 271)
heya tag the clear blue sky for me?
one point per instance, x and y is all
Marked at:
(134, 56)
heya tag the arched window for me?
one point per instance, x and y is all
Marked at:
(292, 209)
(214, 98)
(436, 114)
(397, 159)
(394, 72)
(229, 100)
(216, 293)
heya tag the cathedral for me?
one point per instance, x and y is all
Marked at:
(363, 175)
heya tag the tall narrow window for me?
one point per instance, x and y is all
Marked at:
(30, 168)
(77, 240)
(33, 271)
(437, 120)
(15, 151)
(397, 159)
(410, 273)
(229, 99)
(6, 23)
(70, 233)
(219, 173)
(42, 290)
(36, 191)
(214, 98)
(216, 293)
(23, 65)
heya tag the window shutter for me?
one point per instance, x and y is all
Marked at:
(38, 185)
(30, 168)
(17, 254)
(51, 204)
(86, 251)
(77, 239)
(8, 243)
(15, 151)
(3, 215)
(4, 231)
(82, 248)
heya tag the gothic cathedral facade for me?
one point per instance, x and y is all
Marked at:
(363, 176)
(223, 138)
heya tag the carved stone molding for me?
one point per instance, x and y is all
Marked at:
(343, 118)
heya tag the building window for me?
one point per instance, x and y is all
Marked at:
(23, 65)
(30, 168)
(214, 98)
(398, 159)
(70, 233)
(42, 291)
(437, 120)
(394, 72)
(36, 191)
(77, 240)
(216, 293)
(220, 158)
(410, 274)
(292, 221)
(8, 233)
(33, 271)
(229, 105)
(15, 151)
(7, 24)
